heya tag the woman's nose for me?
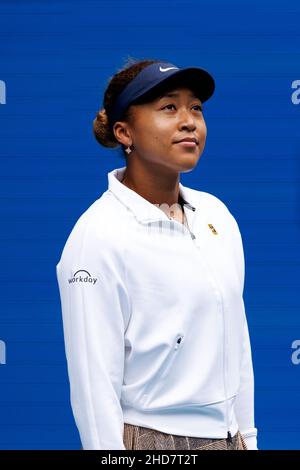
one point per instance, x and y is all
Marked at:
(186, 119)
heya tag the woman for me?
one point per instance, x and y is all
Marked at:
(151, 282)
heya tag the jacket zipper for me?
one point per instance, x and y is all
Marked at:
(229, 436)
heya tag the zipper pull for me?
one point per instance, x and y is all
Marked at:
(229, 437)
(193, 236)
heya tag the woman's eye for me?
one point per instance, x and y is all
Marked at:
(168, 106)
(198, 106)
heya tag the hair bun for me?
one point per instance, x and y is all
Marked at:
(102, 116)
(102, 131)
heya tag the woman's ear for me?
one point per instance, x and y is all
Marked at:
(122, 133)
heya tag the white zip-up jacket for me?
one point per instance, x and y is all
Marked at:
(154, 319)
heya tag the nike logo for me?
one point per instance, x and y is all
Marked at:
(169, 68)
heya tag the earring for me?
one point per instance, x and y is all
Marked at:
(129, 149)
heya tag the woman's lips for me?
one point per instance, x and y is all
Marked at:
(185, 143)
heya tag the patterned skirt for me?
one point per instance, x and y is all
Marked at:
(141, 438)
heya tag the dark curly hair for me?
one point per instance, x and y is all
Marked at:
(102, 128)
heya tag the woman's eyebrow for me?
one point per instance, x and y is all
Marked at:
(175, 94)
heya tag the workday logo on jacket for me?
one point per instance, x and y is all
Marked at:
(82, 276)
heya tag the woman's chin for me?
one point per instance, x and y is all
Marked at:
(187, 162)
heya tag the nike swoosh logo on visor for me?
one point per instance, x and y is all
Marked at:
(169, 68)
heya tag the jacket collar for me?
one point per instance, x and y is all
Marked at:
(143, 209)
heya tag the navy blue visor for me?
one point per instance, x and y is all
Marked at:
(159, 74)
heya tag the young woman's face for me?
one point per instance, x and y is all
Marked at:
(156, 128)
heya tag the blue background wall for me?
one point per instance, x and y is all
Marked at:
(56, 59)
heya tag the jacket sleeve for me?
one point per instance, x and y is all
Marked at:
(244, 405)
(95, 311)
